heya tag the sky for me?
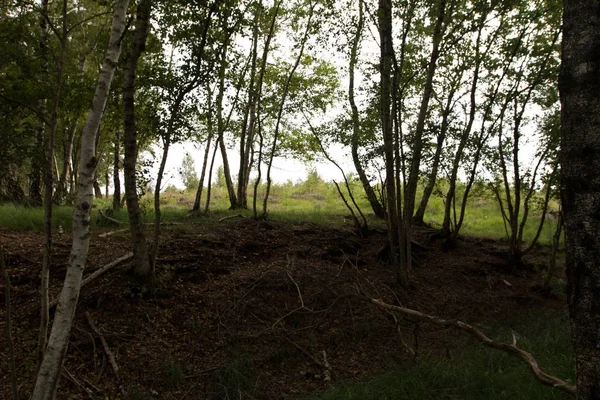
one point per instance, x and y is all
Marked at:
(284, 169)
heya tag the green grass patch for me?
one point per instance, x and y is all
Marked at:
(476, 372)
(312, 200)
(20, 218)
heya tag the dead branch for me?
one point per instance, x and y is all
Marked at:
(111, 219)
(99, 272)
(106, 234)
(525, 356)
(109, 353)
(232, 217)
(9, 340)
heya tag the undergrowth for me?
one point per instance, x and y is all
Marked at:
(476, 372)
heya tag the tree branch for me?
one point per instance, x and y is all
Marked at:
(526, 357)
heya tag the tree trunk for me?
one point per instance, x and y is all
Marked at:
(46, 384)
(249, 124)
(206, 156)
(255, 121)
(159, 176)
(413, 177)
(282, 105)
(97, 189)
(385, 67)
(116, 172)
(61, 187)
(420, 214)
(377, 207)
(466, 133)
(202, 174)
(580, 187)
(48, 188)
(141, 260)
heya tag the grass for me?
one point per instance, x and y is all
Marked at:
(310, 201)
(476, 372)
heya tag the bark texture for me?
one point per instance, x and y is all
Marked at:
(46, 384)
(580, 187)
(141, 259)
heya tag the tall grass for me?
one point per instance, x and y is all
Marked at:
(21, 218)
(476, 373)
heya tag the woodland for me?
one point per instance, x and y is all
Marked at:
(455, 256)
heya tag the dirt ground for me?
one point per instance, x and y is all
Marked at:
(249, 309)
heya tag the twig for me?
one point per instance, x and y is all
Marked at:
(297, 289)
(99, 272)
(109, 353)
(69, 376)
(9, 340)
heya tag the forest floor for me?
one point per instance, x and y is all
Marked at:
(248, 309)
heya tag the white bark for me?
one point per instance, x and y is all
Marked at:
(49, 373)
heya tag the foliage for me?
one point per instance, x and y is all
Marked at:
(188, 174)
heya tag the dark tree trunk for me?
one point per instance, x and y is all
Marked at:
(206, 156)
(413, 178)
(97, 189)
(580, 189)
(420, 214)
(249, 124)
(198, 198)
(385, 68)
(49, 186)
(378, 208)
(140, 249)
(116, 172)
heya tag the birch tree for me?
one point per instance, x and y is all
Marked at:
(47, 380)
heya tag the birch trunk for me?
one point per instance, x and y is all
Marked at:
(46, 384)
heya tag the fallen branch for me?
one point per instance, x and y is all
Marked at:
(525, 356)
(106, 234)
(231, 217)
(9, 341)
(99, 272)
(109, 353)
(111, 219)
